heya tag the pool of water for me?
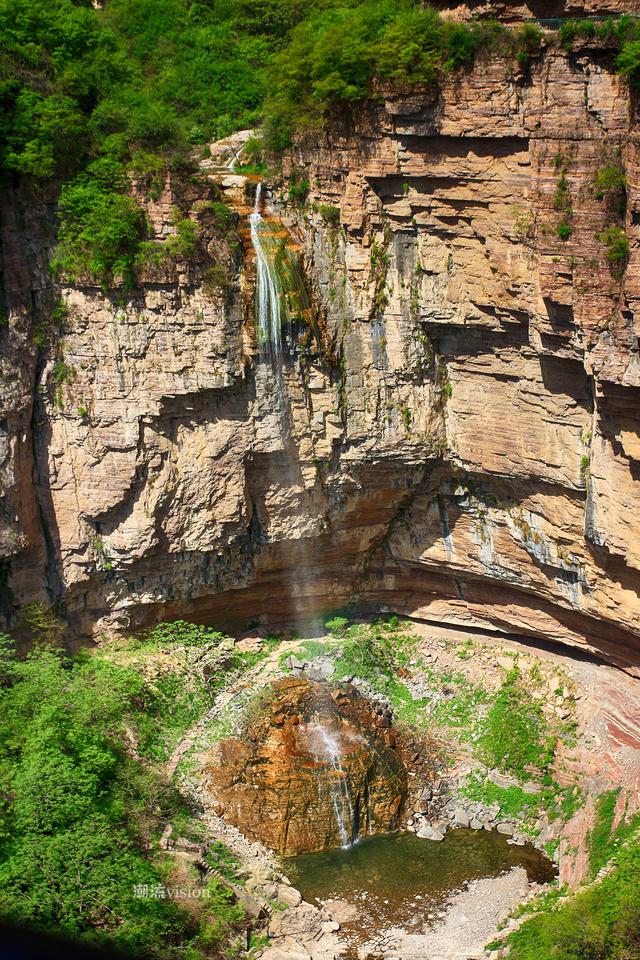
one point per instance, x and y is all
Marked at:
(401, 880)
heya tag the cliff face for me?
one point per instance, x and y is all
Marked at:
(469, 445)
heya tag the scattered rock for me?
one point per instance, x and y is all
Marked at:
(430, 831)
(288, 950)
(254, 908)
(461, 818)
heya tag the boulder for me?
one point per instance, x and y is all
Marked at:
(288, 896)
(288, 950)
(461, 818)
(307, 742)
(431, 832)
(255, 909)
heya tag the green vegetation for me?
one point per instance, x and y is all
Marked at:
(330, 214)
(617, 249)
(564, 230)
(621, 33)
(335, 53)
(601, 923)
(515, 738)
(603, 840)
(93, 97)
(181, 632)
(83, 802)
(562, 198)
(513, 801)
(337, 625)
(610, 184)
(585, 463)
(100, 227)
(298, 189)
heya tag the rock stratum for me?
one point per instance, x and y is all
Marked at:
(463, 444)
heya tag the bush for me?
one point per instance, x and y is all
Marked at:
(181, 632)
(337, 625)
(601, 923)
(80, 815)
(609, 181)
(617, 244)
(628, 62)
(330, 214)
(100, 232)
(181, 244)
(298, 189)
(564, 230)
(334, 54)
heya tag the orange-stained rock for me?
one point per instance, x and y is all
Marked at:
(314, 769)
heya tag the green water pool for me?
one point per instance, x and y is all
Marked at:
(399, 879)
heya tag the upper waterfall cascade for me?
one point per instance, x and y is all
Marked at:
(281, 295)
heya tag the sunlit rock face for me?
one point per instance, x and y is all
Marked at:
(466, 446)
(316, 767)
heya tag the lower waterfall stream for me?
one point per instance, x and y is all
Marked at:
(327, 747)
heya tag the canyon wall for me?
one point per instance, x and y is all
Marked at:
(462, 441)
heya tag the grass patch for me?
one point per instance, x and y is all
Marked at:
(515, 737)
(315, 648)
(513, 801)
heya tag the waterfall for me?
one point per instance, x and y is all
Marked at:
(269, 313)
(282, 306)
(327, 748)
(281, 294)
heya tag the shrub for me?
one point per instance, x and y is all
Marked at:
(220, 213)
(609, 181)
(574, 29)
(298, 189)
(334, 54)
(564, 230)
(617, 249)
(183, 633)
(628, 62)
(600, 923)
(337, 625)
(99, 235)
(330, 214)
(81, 816)
(584, 466)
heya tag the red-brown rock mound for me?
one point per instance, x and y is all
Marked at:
(315, 767)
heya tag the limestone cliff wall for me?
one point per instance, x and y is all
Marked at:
(464, 445)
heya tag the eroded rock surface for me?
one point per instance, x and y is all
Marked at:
(465, 445)
(315, 767)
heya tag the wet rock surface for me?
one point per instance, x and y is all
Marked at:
(314, 767)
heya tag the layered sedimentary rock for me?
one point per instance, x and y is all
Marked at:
(316, 767)
(462, 443)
